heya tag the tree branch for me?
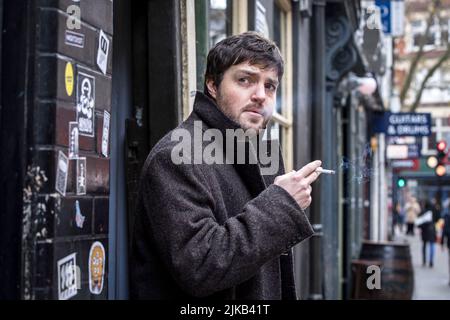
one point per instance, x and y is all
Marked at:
(430, 73)
(419, 54)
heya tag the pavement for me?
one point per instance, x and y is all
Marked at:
(430, 283)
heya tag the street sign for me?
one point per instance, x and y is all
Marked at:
(397, 152)
(409, 164)
(403, 124)
(406, 151)
(392, 14)
(402, 140)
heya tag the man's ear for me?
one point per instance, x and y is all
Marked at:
(212, 89)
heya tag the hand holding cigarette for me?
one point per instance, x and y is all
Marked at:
(298, 183)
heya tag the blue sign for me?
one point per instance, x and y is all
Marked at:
(403, 124)
(385, 13)
(392, 15)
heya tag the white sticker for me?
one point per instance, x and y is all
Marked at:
(73, 140)
(79, 218)
(105, 134)
(81, 176)
(67, 277)
(97, 262)
(85, 104)
(74, 39)
(103, 50)
(61, 173)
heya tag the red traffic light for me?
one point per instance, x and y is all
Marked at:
(441, 145)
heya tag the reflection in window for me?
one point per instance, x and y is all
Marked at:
(277, 39)
(219, 20)
(282, 117)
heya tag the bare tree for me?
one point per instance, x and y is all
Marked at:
(434, 10)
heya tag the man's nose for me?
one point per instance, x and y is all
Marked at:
(259, 95)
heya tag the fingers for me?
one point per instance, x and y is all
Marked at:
(309, 168)
(312, 177)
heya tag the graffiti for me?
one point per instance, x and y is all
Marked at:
(35, 180)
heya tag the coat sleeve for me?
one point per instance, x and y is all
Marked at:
(202, 255)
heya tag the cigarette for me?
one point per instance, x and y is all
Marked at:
(325, 171)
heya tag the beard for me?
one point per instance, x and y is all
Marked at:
(223, 105)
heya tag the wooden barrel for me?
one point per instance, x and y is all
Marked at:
(360, 276)
(397, 275)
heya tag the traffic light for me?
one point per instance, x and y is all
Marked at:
(440, 169)
(401, 182)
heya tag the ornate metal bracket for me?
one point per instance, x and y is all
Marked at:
(341, 54)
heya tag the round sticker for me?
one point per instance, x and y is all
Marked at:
(97, 261)
(69, 79)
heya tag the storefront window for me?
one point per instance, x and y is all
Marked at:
(284, 108)
(219, 20)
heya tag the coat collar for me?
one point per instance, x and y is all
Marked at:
(207, 110)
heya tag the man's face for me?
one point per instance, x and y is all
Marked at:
(247, 95)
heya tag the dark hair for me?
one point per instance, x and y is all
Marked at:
(248, 46)
(427, 205)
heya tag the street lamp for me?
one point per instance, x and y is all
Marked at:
(367, 85)
(364, 85)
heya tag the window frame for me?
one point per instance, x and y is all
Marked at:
(285, 118)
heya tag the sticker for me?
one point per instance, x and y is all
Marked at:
(73, 140)
(97, 261)
(74, 39)
(81, 176)
(103, 50)
(61, 173)
(105, 134)
(79, 218)
(69, 79)
(85, 104)
(67, 277)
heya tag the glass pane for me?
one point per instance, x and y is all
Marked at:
(273, 131)
(277, 39)
(219, 20)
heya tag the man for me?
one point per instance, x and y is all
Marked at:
(222, 230)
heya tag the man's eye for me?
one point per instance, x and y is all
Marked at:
(244, 80)
(271, 87)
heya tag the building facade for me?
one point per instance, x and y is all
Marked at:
(88, 87)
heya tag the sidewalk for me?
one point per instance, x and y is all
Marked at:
(430, 283)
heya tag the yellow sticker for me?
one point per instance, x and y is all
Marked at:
(69, 79)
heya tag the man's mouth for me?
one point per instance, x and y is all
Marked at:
(255, 112)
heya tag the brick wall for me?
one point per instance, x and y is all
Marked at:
(53, 237)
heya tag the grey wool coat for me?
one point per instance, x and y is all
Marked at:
(212, 231)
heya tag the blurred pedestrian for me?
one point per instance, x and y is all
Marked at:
(446, 237)
(412, 209)
(428, 232)
(399, 218)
